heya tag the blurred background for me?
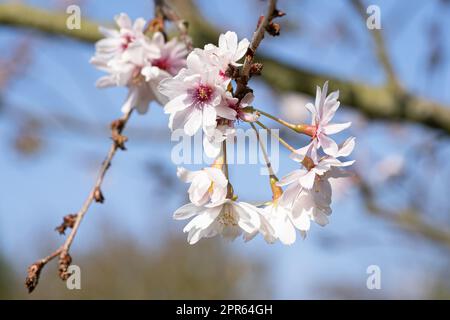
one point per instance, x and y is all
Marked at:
(394, 213)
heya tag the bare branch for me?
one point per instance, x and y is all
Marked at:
(34, 270)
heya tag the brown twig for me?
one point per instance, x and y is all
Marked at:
(62, 252)
(264, 24)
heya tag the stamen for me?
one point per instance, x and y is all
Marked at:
(203, 93)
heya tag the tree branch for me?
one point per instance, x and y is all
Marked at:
(51, 22)
(374, 102)
(96, 195)
(407, 219)
(381, 50)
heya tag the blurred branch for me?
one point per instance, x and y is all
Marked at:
(52, 22)
(96, 195)
(163, 11)
(380, 48)
(408, 219)
(373, 101)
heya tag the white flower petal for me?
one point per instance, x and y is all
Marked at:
(123, 21)
(217, 176)
(194, 122)
(185, 175)
(285, 230)
(291, 177)
(226, 112)
(329, 146)
(177, 104)
(346, 148)
(241, 49)
(335, 128)
(185, 212)
(307, 180)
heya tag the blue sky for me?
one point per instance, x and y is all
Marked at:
(36, 193)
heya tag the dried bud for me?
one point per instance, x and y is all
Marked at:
(116, 130)
(64, 262)
(255, 69)
(273, 29)
(34, 271)
(119, 140)
(98, 195)
(68, 222)
(156, 25)
(117, 125)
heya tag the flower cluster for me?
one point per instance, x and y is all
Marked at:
(307, 196)
(132, 59)
(197, 92)
(213, 212)
(199, 95)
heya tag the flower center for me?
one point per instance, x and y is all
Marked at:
(211, 188)
(162, 63)
(203, 93)
(223, 74)
(228, 217)
(127, 39)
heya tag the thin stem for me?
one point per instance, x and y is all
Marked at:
(95, 195)
(299, 128)
(230, 192)
(225, 161)
(263, 150)
(273, 179)
(284, 143)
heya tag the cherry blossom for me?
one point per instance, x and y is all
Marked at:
(309, 191)
(133, 60)
(229, 52)
(195, 98)
(171, 59)
(196, 90)
(212, 142)
(276, 223)
(322, 111)
(207, 185)
(228, 218)
(117, 41)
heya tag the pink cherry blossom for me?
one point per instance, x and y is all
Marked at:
(322, 112)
